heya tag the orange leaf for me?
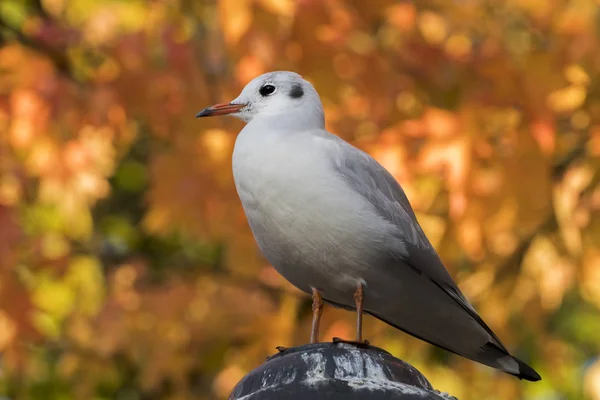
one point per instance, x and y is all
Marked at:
(236, 18)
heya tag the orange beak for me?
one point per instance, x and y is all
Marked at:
(220, 109)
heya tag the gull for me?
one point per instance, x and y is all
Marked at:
(337, 225)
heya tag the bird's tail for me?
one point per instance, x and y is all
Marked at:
(490, 354)
(495, 356)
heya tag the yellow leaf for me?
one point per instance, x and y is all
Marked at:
(53, 296)
(402, 16)
(284, 8)
(225, 381)
(576, 75)
(81, 223)
(432, 27)
(54, 246)
(590, 280)
(218, 143)
(407, 102)
(46, 323)
(10, 190)
(433, 226)
(8, 330)
(361, 43)
(580, 120)
(235, 17)
(567, 99)
(458, 46)
(566, 198)
(477, 284)
(469, 235)
(591, 381)
(248, 68)
(87, 283)
(552, 273)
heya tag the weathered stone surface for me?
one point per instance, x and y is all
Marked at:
(335, 371)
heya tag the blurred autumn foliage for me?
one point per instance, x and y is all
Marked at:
(127, 269)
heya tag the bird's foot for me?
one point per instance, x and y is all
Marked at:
(281, 349)
(362, 343)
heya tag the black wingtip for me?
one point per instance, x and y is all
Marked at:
(526, 372)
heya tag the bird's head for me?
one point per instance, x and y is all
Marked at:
(276, 94)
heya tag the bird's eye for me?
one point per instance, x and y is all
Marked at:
(267, 90)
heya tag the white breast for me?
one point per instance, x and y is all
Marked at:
(302, 213)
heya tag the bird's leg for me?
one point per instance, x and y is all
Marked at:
(359, 297)
(317, 311)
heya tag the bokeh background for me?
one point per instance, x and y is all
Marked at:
(127, 269)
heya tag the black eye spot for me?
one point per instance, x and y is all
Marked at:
(296, 91)
(267, 90)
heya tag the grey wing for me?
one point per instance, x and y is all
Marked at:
(369, 179)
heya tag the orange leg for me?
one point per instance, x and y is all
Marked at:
(359, 297)
(317, 311)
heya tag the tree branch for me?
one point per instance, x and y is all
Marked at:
(59, 59)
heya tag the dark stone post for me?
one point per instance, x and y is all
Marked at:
(335, 371)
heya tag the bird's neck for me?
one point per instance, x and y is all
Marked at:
(297, 120)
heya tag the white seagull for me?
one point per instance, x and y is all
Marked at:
(338, 226)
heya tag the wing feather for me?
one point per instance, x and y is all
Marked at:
(372, 181)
